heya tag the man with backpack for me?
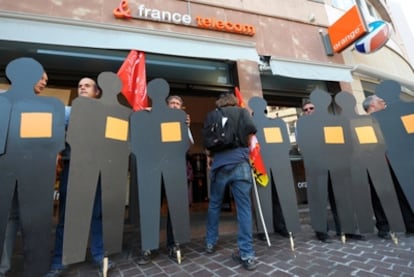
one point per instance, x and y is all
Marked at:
(230, 166)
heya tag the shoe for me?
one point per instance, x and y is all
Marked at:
(355, 236)
(261, 236)
(145, 258)
(323, 237)
(384, 235)
(210, 249)
(172, 254)
(99, 264)
(284, 233)
(55, 272)
(248, 264)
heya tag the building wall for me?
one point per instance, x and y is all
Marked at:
(287, 29)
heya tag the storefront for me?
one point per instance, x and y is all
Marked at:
(200, 48)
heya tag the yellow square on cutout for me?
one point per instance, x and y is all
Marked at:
(366, 134)
(408, 121)
(171, 132)
(36, 125)
(116, 128)
(273, 135)
(334, 135)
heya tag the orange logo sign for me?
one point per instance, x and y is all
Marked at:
(347, 29)
(123, 12)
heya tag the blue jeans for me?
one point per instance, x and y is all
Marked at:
(239, 177)
(96, 239)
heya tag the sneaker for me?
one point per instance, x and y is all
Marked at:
(210, 249)
(145, 258)
(355, 236)
(248, 264)
(323, 237)
(283, 232)
(172, 254)
(99, 264)
(261, 236)
(55, 272)
(384, 235)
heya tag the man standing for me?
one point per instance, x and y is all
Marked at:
(87, 87)
(13, 221)
(232, 167)
(372, 104)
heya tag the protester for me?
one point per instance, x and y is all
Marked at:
(176, 102)
(373, 104)
(13, 224)
(87, 87)
(308, 108)
(232, 167)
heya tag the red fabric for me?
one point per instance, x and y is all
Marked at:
(134, 80)
(256, 158)
(239, 97)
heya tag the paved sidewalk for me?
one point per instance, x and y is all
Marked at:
(372, 257)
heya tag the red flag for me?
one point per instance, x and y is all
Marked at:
(256, 159)
(134, 80)
(239, 97)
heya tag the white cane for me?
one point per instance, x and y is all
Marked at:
(260, 209)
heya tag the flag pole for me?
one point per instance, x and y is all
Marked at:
(259, 208)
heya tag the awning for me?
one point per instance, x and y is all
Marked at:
(58, 31)
(372, 72)
(301, 69)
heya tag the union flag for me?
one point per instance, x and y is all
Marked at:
(256, 159)
(134, 80)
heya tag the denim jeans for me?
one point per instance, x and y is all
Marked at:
(96, 239)
(239, 177)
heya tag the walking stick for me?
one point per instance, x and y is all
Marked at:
(260, 209)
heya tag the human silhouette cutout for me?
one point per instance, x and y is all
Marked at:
(323, 139)
(397, 125)
(275, 145)
(35, 137)
(5, 109)
(159, 142)
(98, 135)
(368, 162)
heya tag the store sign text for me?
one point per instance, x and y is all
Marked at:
(210, 23)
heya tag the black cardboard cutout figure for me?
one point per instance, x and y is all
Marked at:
(397, 125)
(98, 137)
(5, 110)
(35, 137)
(275, 145)
(159, 142)
(324, 140)
(368, 161)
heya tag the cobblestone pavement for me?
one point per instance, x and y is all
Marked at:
(371, 257)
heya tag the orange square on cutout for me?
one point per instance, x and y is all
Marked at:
(334, 135)
(36, 125)
(171, 132)
(273, 135)
(116, 128)
(366, 134)
(408, 122)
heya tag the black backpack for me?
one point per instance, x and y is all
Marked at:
(220, 131)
